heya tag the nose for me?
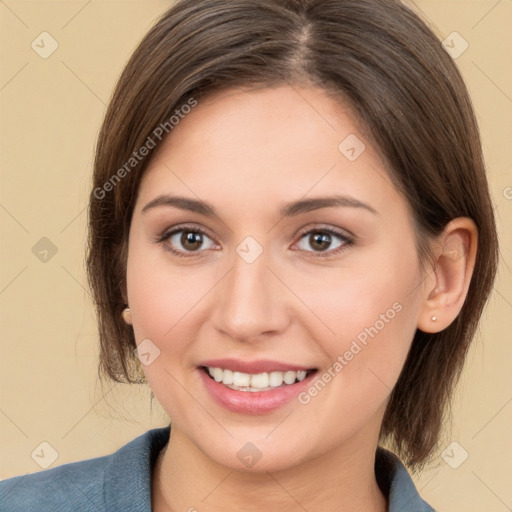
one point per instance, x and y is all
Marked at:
(251, 302)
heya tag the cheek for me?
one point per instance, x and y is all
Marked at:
(371, 298)
(371, 310)
(166, 300)
(162, 300)
(153, 289)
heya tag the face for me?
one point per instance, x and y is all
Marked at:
(266, 279)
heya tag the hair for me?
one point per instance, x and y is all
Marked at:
(405, 90)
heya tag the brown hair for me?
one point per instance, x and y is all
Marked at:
(409, 96)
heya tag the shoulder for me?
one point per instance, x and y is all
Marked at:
(119, 481)
(397, 484)
(65, 487)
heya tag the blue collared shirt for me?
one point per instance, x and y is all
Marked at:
(122, 482)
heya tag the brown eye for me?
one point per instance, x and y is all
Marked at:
(191, 241)
(320, 241)
(324, 240)
(186, 241)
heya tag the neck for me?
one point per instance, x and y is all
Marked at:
(341, 480)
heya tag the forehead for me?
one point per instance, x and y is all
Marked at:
(268, 144)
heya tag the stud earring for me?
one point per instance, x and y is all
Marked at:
(127, 315)
(434, 318)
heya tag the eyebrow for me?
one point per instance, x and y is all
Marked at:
(288, 210)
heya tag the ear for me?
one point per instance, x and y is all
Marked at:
(447, 285)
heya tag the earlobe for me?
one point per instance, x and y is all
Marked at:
(453, 268)
(127, 316)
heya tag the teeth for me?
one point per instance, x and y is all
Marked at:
(289, 377)
(301, 375)
(227, 377)
(275, 379)
(255, 382)
(239, 379)
(259, 381)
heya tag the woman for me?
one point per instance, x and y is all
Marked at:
(292, 241)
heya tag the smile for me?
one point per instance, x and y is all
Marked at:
(254, 391)
(265, 381)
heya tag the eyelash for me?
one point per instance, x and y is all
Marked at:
(347, 242)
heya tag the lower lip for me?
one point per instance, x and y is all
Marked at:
(257, 402)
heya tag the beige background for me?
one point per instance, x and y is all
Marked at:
(51, 113)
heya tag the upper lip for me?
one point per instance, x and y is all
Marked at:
(258, 366)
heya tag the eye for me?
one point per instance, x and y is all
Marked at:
(186, 239)
(321, 240)
(183, 241)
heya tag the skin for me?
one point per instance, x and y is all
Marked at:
(247, 153)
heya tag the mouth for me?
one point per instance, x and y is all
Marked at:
(254, 387)
(256, 382)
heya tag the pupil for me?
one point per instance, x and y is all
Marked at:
(321, 240)
(191, 240)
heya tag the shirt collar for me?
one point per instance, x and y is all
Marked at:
(127, 479)
(395, 481)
